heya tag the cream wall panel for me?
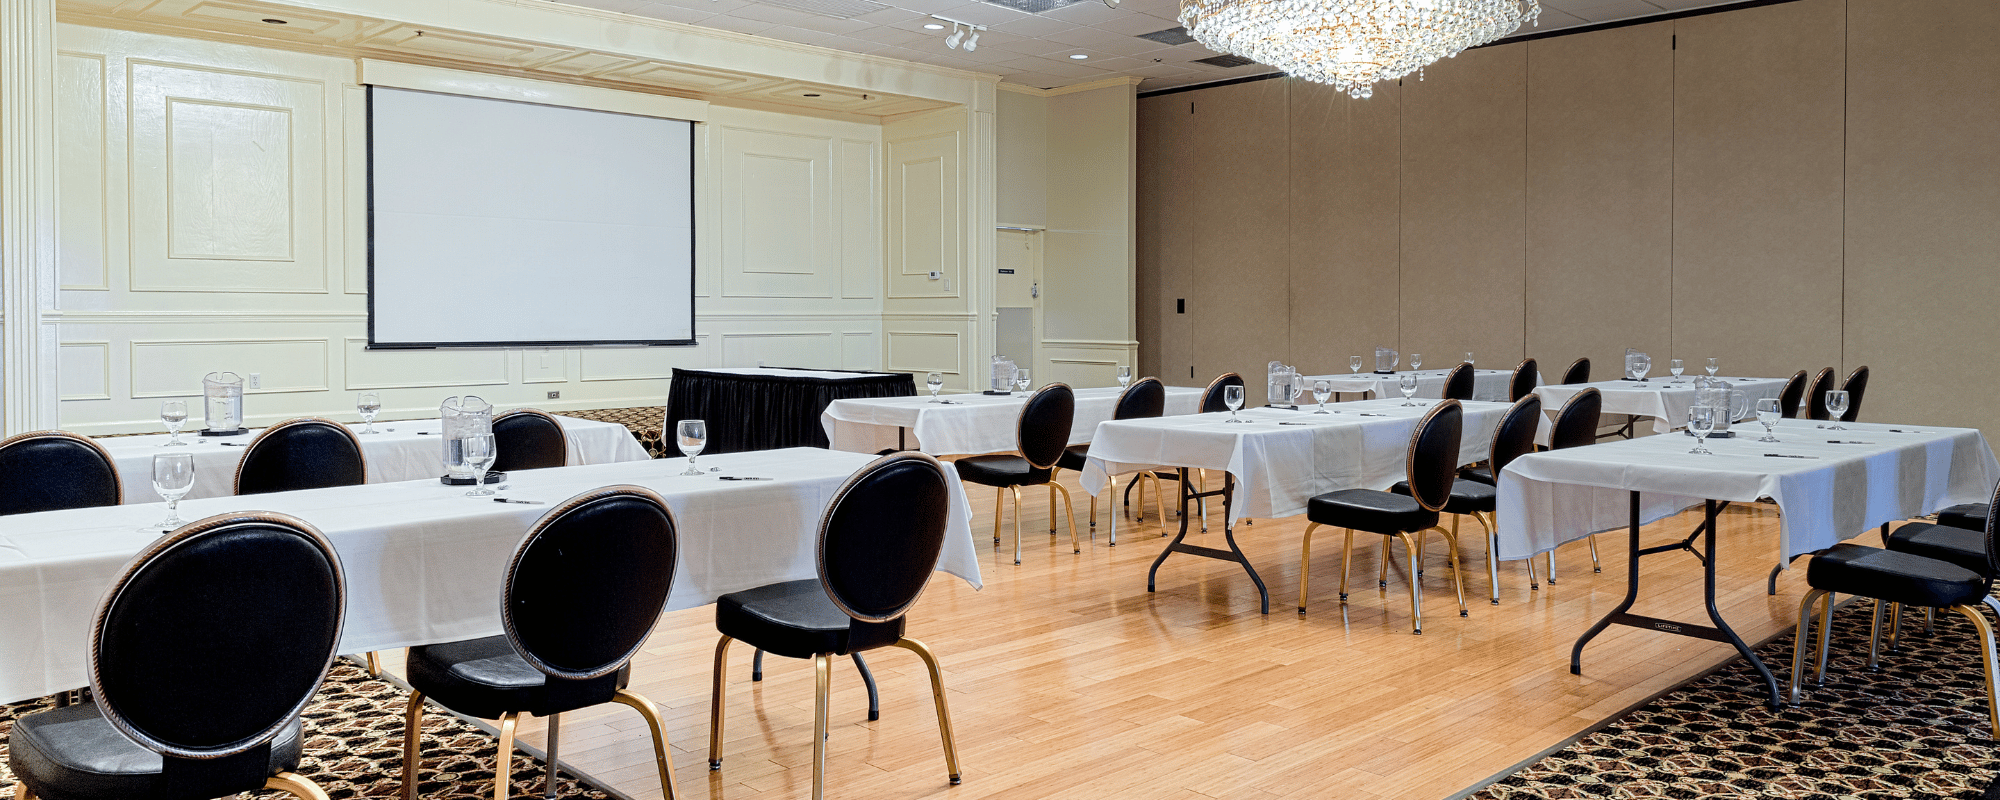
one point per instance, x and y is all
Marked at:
(921, 352)
(1923, 209)
(777, 226)
(1345, 253)
(598, 364)
(81, 242)
(84, 370)
(1464, 144)
(1089, 254)
(371, 370)
(353, 199)
(1237, 300)
(161, 367)
(228, 181)
(1166, 207)
(924, 216)
(782, 349)
(857, 211)
(1758, 117)
(1600, 202)
(1021, 134)
(860, 350)
(545, 365)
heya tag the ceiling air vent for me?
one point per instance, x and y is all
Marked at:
(838, 9)
(1170, 36)
(1224, 61)
(1032, 6)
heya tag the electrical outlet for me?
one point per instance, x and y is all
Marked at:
(936, 274)
(256, 380)
(947, 285)
(555, 395)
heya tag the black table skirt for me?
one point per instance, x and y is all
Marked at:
(767, 412)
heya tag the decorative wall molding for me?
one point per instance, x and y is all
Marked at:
(28, 267)
(100, 352)
(283, 352)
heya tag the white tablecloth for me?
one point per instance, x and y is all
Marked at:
(1659, 397)
(1550, 498)
(423, 562)
(1279, 467)
(971, 425)
(1488, 385)
(781, 372)
(398, 451)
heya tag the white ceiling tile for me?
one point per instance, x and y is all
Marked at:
(815, 22)
(925, 6)
(1034, 26)
(983, 14)
(619, 6)
(1133, 24)
(889, 16)
(710, 6)
(1616, 11)
(737, 24)
(1088, 12)
(691, 16)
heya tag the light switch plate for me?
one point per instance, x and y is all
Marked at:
(555, 395)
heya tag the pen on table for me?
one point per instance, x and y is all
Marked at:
(522, 502)
(739, 478)
(1786, 455)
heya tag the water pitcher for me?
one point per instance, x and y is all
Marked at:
(462, 417)
(1385, 360)
(1717, 394)
(1003, 375)
(223, 410)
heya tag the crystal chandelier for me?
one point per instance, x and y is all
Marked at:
(1351, 44)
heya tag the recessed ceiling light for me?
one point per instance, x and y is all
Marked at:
(277, 22)
(1078, 56)
(932, 26)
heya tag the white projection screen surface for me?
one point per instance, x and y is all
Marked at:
(498, 223)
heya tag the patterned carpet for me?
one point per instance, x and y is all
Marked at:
(645, 421)
(354, 747)
(1917, 729)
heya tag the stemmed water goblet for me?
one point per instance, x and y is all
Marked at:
(1713, 365)
(1676, 367)
(1641, 366)
(691, 435)
(1701, 422)
(1124, 376)
(1321, 391)
(1768, 414)
(1416, 361)
(174, 414)
(369, 404)
(478, 452)
(1354, 364)
(1836, 407)
(935, 382)
(1468, 358)
(1407, 382)
(1021, 380)
(173, 476)
(1232, 398)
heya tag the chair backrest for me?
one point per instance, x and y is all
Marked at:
(1576, 423)
(1433, 456)
(1526, 375)
(527, 438)
(1856, 386)
(1795, 391)
(589, 580)
(1458, 384)
(1993, 531)
(880, 537)
(1146, 397)
(1578, 372)
(1043, 428)
(302, 453)
(1211, 397)
(52, 470)
(213, 639)
(1816, 398)
(1515, 435)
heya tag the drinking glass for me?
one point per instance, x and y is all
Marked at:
(1408, 383)
(1641, 366)
(1321, 391)
(1416, 361)
(173, 476)
(1468, 356)
(1021, 380)
(1768, 414)
(1836, 406)
(174, 414)
(369, 404)
(479, 453)
(936, 382)
(691, 435)
(1676, 367)
(1124, 376)
(1712, 367)
(1701, 421)
(1232, 396)
(1353, 363)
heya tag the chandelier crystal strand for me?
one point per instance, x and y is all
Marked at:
(1352, 44)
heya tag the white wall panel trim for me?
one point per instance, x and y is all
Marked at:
(160, 353)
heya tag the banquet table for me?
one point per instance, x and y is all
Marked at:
(971, 424)
(397, 451)
(767, 408)
(1277, 462)
(1663, 398)
(1488, 385)
(423, 562)
(1828, 485)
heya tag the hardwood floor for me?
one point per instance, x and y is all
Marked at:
(1068, 680)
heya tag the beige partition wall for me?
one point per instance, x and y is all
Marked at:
(1345, 259)
(1166, 238)
(1238, 301)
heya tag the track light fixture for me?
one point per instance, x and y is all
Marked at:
(972, 42)
(962, 33)
(957, 35)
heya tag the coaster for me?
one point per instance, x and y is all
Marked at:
(998, 394)
(491, 477)
(212, 432)
(1716, 434)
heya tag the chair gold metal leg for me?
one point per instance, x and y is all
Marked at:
(1492, 555)
(1382, 576)
(1930, 617)
(1534, 583)
(1093, 507)
(413, 737)
(1305, 564)
(1875, 635)
(374, 664)
(1346, 556)
(1052, 501)
(715, 704)
(1992, 663)
(661, 753)
(1160, 503)
(1552, 567)
(1417, 566)
(999, 511)
(1895, 627)
(290, 783)
(823, 682)
(22, 792)
(1416, 597)
(1594, 565)
(503, 762)
(1070, 511)
(1801, 642)
(1825, 634)
(1457, 573)
(1017, 523)
(937, 695)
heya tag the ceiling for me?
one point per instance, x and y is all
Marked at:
(1039, 49)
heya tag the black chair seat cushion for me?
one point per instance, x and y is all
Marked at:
(73, 753)
(1476, 475)
(795, 619)
(1970, 516)
(486, 678)
(1370, 510)
(1894, 577)
(1959, 546)
(1073, 457)
(1001, 470)
(1466, 497)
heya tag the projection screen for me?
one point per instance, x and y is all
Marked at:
(499, 223)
